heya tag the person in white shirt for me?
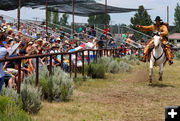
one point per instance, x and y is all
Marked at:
(3, 53)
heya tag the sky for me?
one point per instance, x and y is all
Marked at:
(159, 8)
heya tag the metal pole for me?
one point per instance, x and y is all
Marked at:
(70, 65)
(83, 62)
(50, 66)
(18, 13)
(37, 71)
(76, 65)
(106, 20)
(96, 55)
(106, 13)
(62, 61)
(73, 17)
(47, 17)
(19, 77)
(168, 14)
(88, 57)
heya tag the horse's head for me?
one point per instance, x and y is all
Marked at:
(157, 41)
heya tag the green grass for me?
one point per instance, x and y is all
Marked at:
(119, 97)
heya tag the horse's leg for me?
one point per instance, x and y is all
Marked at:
(151, 72)
(161, 72)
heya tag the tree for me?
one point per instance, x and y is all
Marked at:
(177, 19)
(141, 18)
(55, 18)
(99, 19)
(49, 16)
(64, 19)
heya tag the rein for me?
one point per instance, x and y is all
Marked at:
(158, 57)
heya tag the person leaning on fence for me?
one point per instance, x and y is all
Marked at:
(162, 29)
(3, 53)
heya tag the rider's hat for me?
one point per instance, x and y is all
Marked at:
(158, 18)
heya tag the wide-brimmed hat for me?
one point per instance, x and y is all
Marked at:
(158, 18)
(66, 41)
(39, 40)
(53, 45)
(30, 43)
(13, 48)
(45, 42)
(58, 39)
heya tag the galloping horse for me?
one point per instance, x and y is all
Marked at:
(157, 57)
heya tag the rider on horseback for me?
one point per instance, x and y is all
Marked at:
(162, 29)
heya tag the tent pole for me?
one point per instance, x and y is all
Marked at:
(18, 13)
(47, 17)
(168, 14)
(73, 17)
(106, 20)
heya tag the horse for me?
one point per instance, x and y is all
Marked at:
(157, 57)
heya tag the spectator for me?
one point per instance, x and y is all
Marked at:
(3, 53)
(105, 30)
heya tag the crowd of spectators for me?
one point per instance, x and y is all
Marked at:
(32, 39)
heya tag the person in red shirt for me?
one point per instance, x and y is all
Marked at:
(105, 30)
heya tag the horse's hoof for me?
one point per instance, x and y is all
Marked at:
(160, 79)
(150, 83)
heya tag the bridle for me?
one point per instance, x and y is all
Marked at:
(159, 56)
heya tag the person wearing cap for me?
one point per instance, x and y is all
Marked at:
(3, 53)
(40, 49)
(162, 29)
(29, 47)
(62, 38)
(59, 41)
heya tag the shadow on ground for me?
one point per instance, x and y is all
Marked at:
(160, 85)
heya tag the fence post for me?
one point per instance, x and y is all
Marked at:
(139, 52)
(88, 57)
(83, 62)
(19, 77)
(96, 55)
(37, 71)
(107, 52)
(119, 52)
(76, 66)
(70, 64)
(62, 61)
(124, 51)
(110, 53)
(100, 53)
(50, 66)
(113, 52)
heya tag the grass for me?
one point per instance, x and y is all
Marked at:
(119, 97)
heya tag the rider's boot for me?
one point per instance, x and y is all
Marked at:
(170, 62)
(143, 59)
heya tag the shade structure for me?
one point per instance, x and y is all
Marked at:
(13, 4)
(88, 9)
(82, 7)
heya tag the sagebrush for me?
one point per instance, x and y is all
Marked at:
(9, 111)
(31, 98)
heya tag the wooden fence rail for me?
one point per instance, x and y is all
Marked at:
(117, 52)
